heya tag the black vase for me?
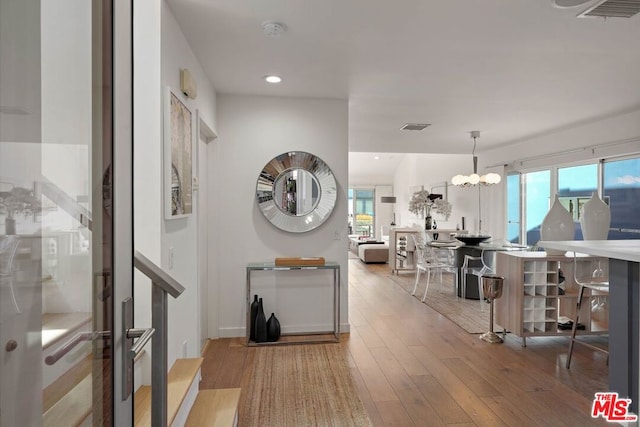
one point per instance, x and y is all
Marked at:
(261, 324)
(273, 328)
(252, 321)
(427, 222)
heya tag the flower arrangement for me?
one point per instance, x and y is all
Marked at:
(422, 203)
(19, 201)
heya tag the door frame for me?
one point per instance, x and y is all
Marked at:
(207, 314)
(122, 193)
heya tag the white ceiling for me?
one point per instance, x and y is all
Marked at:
(511, 69)
(373, 168)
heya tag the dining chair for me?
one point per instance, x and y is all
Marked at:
(427, 262)
(595, 280)
(445, 257)
(477, 266)
(8, 248)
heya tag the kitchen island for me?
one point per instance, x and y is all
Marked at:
(624, 308)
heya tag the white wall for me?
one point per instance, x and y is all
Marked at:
(429, 170)
(180, 235)
(161, 50)
(252, 130)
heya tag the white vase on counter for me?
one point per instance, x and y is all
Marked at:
(557, 225)
(595, 218)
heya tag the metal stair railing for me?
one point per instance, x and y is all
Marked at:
(162, 284)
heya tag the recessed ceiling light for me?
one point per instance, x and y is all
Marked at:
(376, 157)
(273, 79)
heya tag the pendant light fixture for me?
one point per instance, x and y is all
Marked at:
(475, 179)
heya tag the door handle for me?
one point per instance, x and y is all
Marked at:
(77, 339)
(143, 335)
(131, 350)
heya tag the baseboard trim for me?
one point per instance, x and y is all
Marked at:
(240, 332)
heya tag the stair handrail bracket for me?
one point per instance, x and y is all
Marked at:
(158, 276)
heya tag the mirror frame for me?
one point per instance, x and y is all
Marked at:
(327, 192)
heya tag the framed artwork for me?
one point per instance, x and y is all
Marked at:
(178, 156)
(441, 188)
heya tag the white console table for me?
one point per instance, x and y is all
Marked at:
(302, 337)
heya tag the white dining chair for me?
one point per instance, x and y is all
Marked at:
(427, 262)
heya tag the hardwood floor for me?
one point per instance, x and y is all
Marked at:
(414, 367)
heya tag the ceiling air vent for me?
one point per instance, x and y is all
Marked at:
(414, 126)
(612, 9)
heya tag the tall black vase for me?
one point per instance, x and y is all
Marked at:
(273, 328)
(261, 324)
(252, 321)
(427, 222)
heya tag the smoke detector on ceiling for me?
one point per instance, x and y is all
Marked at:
(273, 29)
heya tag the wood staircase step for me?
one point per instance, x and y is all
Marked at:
(215, 408)
(53, 393)
(180, 378)
(59, 326)
(73, 408)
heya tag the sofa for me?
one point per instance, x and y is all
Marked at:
(376, 252)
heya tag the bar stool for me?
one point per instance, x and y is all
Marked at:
(596, 282)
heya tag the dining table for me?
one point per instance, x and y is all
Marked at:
(624, 309)
(486, 250)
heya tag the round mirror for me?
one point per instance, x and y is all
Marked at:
(296, 191)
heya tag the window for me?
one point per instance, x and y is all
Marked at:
(513, 208)
(529, 195)
(525, 214)
(537, 190)
(576, 185)
(622, 189)
(361, 211)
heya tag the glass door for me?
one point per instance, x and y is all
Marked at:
(361, 212)
(513, 209)
(65, 210)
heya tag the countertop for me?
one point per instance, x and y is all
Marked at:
(626, 250)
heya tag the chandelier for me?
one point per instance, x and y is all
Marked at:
(475, 179)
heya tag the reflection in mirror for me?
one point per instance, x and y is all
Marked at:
(296, 192)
